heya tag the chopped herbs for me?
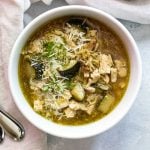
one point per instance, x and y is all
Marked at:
(48, 46)
(54, 85)
(54, 50)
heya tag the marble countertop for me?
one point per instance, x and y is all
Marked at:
(133, 131)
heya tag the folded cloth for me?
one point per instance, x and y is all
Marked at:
(133, 10)
(11, 24)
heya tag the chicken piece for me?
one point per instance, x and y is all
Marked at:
(105, 64)
(90, 109)
(36, 85)
(90, 89)
(113, 74)
(69, 113)
(59, 32)
(61, 103)
(69, 42)
(76, 106)
(92, 32)
(120, 63)
(96, 47)
(92, 100)
(86, 75)
(95, 75)
(122, 84)
(121, 67)
(67, 95)
(105, 78)
(35, 46)
(49, 103)
(104, 87)
(122, 72)
(38, 105)
(90, 45)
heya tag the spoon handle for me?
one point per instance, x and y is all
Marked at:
(2, 134)
(14, 129)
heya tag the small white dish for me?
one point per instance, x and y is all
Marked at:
(112, 118)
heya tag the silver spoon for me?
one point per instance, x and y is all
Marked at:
(12, 127)
(2, 134)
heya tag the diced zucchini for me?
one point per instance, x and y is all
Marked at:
(71, 69)
(106, 103)
(103, 86)
(29, 71)
(78, 92)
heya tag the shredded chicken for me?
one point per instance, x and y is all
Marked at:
(93, 100)
(90, 89)
(35, 46)
(105, 78)
(104, 87)
(67, 94)
(92, 33)
(86, 75)
(36, 85)
(38, 105)
(62, 103)
(76, 105)
(105, 63)
(69, 113)
(122, 84)
(122, 68)
(90, 109)
(122, 72)
(95, 75)
(113, 74)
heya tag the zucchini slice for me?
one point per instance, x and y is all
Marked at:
(78, 92)
(71, 69)
(106, 104)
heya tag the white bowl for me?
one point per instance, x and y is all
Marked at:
(83, 130)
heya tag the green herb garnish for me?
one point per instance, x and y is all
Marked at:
(55, 85)
(54, 50)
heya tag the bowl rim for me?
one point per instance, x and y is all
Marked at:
(93, 125)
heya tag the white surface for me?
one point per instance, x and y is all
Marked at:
(133, 132)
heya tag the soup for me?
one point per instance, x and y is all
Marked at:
(74, 70)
